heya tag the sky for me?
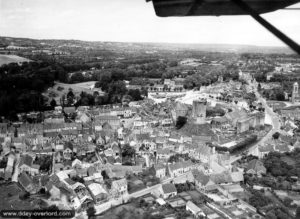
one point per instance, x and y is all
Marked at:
(135, 21)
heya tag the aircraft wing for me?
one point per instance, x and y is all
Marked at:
(167, 8)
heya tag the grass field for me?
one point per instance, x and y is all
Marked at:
(127, 211)
(6, 59)
(9, 198)
(60, 89)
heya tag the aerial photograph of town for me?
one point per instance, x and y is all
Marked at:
(150, 109)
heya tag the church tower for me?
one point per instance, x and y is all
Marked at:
(295, 92)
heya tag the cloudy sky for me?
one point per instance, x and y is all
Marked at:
(135, 21)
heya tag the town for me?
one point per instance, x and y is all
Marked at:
(164, 134)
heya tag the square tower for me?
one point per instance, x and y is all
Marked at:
(199, 111)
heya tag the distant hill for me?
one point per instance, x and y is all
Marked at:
(5, 41)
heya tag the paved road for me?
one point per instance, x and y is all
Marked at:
(274, 119)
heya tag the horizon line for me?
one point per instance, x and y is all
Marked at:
(145, 42)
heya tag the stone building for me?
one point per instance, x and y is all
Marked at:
(199, 111)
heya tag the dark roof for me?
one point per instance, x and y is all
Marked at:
(255, 165)
(44, 179)
(25, 180)
(68, 145)
(91, 170)
(69, 181)
(220, 178)
(168, 188)
(27, 160)
(200, 177)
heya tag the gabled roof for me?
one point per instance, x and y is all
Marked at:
(91, 170)
(27, 160)
(69, 181)
(169, 188)
(96, 189)
(25, 180)
(159, 166)
(200, 177)
(193, 207)
(266, 148)
(69, 110)
(220, 178)
(287, 139)
(237, 176)
(255, 165)
(180, 165)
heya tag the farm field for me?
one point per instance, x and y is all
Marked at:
(6, 59)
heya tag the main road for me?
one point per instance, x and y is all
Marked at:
(272, 118)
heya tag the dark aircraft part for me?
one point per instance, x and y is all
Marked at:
(166, 8)
(293, 45)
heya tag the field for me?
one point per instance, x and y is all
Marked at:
(9, 198)
(126, 211)
(6, 59)
(60, 89)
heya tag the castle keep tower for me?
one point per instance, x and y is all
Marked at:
(199, 111)
(295, 92)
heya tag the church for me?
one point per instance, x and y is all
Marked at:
(295, 93)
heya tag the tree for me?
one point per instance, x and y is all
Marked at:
(91, 211)
(287, 201)
(70, 97)
(53, 103)
(298, 213)
(70, 94)
(259, 87)
(135, 94)
(280, 96)
(276, 135)
(128, 151)
(180, 122)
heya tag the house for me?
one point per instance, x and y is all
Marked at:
(180, 168)
(164, 153)
(68, 151)
(98, 192)
(26, 182)
(80, 190)
(120, 186)
(237, 176)
(203, 181)
(195, 210)
(53, 190)
(82, 117)
(98, 177)
(69, 110)
(168, 190)
(26, 165)
(159, 170)
(201, 152)
(113, 121)
(255, 167)
(265, 150)
(166, 122)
